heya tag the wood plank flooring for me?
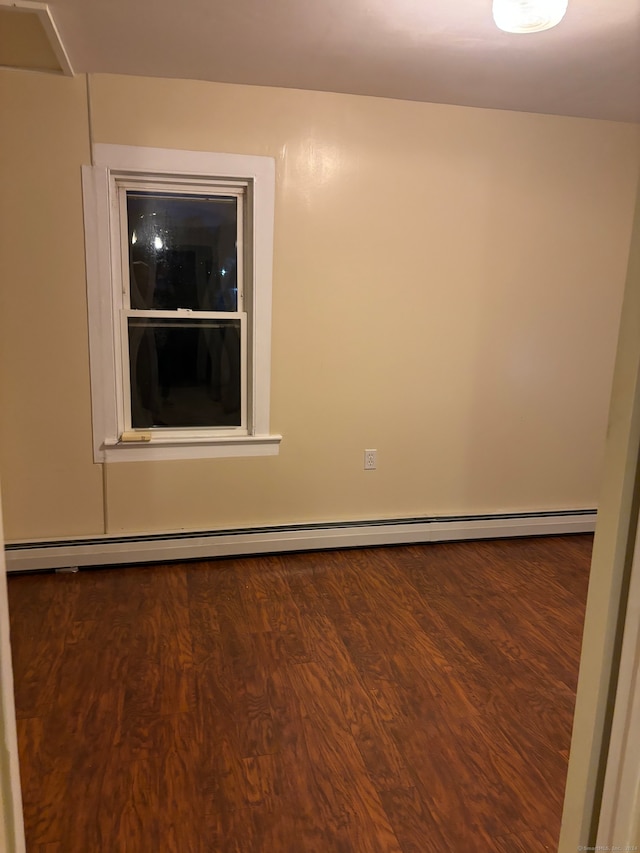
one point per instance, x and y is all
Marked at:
(411, 699)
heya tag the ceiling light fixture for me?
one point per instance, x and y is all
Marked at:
(528, 16)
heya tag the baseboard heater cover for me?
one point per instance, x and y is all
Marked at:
(165, 547)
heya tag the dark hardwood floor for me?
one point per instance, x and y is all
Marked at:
(415, 699)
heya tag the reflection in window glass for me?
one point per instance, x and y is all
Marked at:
(184, 372)
(182, 252)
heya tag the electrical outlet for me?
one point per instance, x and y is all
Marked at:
(370, 460)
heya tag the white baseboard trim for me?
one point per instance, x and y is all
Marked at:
(37, 555)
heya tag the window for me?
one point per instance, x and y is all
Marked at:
(179, 255)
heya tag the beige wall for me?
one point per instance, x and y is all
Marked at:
(50, 485)
(447, 289)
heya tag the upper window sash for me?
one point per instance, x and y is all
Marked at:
(120, 186)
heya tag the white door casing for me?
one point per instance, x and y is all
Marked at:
(12, 838)
(619, 826)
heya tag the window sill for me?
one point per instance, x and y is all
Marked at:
(159, 449)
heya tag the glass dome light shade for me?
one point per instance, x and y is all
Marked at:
(528, 16)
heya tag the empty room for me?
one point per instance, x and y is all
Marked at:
(319, 371)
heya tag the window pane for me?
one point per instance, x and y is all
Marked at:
(184, 373)
(182, 251)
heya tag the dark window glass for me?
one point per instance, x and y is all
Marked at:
(184, 372)
(182, 252)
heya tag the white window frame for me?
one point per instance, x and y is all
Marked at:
(114, 166)
(120, 187)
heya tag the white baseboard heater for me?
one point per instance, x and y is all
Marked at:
(107, 550)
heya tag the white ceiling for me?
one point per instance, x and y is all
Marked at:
(445, 51)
